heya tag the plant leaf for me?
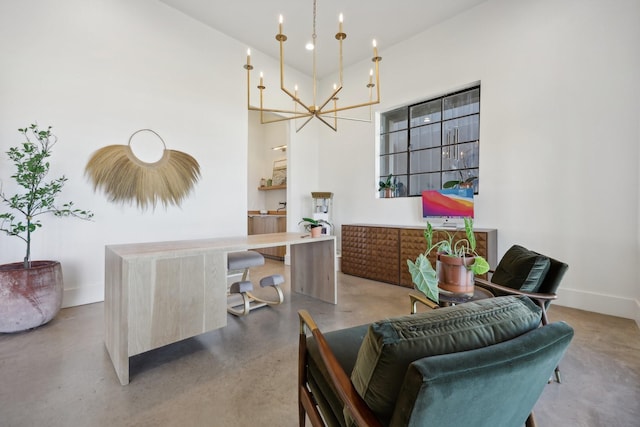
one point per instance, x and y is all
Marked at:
(468, 227)
(479, 266)
(424, 277)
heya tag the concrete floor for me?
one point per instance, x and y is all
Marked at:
(245, 374)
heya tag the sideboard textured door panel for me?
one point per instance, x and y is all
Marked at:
(371, 252)
(412, 244)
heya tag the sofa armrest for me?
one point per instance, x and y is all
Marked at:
(357, 407)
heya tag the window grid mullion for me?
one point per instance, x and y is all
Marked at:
(440, 149)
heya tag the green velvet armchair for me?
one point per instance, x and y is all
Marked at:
(525, 272)
(528, 273)
(483, 363)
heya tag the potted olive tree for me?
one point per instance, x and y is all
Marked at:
(31, 291)
(456, 264)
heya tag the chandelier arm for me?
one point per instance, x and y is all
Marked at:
(248, 85)
(295, 98)
(304, 124)
(350, 107)
(377, 60)
(340, 36)
(298, 114)
(281, 39)
(371, 102)
(353, 119)
(335, 128)
(284, 119)
(329, 99)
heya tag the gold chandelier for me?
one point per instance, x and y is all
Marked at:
(326, 111)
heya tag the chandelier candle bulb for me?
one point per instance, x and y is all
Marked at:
(280, 25)
(340, 19)
(248, 56)
(375, 48)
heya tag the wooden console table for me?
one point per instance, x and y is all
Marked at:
(380, 252)
(160, 293)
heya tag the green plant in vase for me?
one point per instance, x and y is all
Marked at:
(388, 185)
(423, 274)
(311, 224)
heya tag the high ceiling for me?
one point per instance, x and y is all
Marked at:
(255, 23)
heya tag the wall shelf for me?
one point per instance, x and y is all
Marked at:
(273, 187)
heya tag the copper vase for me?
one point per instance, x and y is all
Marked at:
(453, 274)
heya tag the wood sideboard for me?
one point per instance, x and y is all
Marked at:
(380, 252)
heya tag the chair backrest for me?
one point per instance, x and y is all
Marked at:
(492, 386)
(529, 271)
(554, 276)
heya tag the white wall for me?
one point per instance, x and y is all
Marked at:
(99, 70)
(560, 100)
(559, 134)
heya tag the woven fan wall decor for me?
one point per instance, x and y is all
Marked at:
(125, 178)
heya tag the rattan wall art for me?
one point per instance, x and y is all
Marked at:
(125, 178)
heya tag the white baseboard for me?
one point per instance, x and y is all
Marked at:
(612, 305)
(82, 296)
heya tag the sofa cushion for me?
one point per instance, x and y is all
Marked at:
(521, 269)
(392, 344)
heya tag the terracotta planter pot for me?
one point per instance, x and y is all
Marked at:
(316, 231)
(453, 275)
(29, 297)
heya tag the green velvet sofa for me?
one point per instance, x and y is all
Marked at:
(483, 363)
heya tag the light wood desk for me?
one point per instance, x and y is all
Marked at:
(160, 293)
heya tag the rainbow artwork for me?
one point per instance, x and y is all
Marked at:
(448, 202)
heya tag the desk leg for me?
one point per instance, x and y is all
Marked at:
(120, 362)
(116, 307)
(313, 270)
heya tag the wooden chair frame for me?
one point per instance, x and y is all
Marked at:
(359, 410)
(539, 298)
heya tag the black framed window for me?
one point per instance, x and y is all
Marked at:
(432, 144)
